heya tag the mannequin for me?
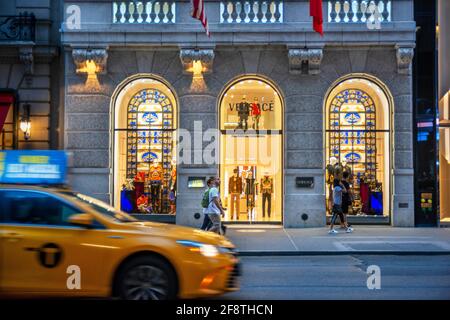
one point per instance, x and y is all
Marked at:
(330, 169)
(346, 167)
(250, 192)
(139, 181)
(256, 114)
(173, 174)
(266, 191)
(243, 113)
(156, 175)
(235, 190)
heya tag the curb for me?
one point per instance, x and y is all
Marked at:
(340, 253)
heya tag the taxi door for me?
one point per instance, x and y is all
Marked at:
(42, 252)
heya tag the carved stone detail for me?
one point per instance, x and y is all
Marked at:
(205, 56)
(27, 58)
(405, 57)
(312, 58)
(81, 56)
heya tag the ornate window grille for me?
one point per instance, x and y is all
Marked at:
(352, 132)
(150, 133)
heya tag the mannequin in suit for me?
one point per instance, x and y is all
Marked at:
(266, 191)
(250, 192)
(235, 190)
(156, 175)
(243, 113)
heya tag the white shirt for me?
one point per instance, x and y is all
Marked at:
(212, 207)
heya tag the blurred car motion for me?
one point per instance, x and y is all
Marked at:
(54, 242)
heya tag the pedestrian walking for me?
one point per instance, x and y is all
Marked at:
(205, 204)
(215, 210)
(347, 197)
(338, 190)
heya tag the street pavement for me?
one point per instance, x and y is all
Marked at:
(343, 277)
(269, 240)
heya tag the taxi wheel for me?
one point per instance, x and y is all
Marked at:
(147, 278)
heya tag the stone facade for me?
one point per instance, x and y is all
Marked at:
(30, 68)
(88, 119)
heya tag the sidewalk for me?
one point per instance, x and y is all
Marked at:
(256, 240)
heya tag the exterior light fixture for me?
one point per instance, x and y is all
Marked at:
(91, 68)
(25, 121)
(197, 68)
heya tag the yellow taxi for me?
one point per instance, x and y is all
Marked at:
(55, 242)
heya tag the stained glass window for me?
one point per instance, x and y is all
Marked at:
(352, 132)
(150, 141)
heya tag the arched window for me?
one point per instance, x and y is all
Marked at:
(251, 112)
(145, 159)
(352, 130)
(358, 142)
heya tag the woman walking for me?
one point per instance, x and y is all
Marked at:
(338, 190)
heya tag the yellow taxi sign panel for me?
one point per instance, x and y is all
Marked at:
(33, 167)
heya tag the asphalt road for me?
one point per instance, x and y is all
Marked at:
(343, 277)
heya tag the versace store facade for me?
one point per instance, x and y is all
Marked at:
(148, 121)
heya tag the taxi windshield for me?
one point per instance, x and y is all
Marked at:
(104, 208)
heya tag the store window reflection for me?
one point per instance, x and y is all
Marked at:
(251, 113)
(145, 140)
(358, 145)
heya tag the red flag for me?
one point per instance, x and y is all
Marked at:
(198, 12)
(315, 11)
(5, 103)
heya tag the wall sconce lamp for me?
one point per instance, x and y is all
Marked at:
(197, 61)
(197, 68)
(25, 121)
(90, 61)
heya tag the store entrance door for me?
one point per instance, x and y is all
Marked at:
(251, 167)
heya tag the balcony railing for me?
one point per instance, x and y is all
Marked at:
(18, 28)
(259, 11)
(359, 11)
(158, 12)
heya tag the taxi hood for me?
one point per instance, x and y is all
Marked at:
(181, 233)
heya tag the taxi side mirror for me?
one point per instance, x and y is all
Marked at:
(82, 219)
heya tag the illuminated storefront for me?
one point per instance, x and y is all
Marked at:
(251, 148)
(269, 135)
(145, 135)
(358, 145)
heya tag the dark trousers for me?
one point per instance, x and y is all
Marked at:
(337, 212)
(206, 223)
(266, 197)
(155, 189)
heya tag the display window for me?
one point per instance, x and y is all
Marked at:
(358, 148)
(251, 113)
(444, 161)
(145, 141)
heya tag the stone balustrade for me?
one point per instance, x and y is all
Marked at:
(359, 11)
(258, 11)
(144, 12)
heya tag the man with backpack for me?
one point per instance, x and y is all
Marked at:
(212, 207)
